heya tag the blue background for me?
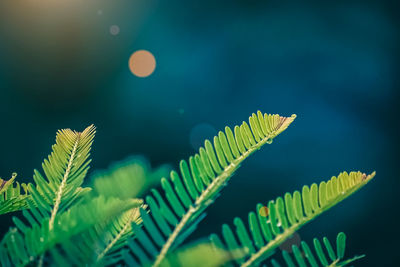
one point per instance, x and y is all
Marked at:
(333, 63)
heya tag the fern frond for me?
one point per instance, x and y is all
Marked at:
(65, 169)
(323, 253)
(115, 238)
(286, 216)
(12, 198)
(199, 183)
(24, 244)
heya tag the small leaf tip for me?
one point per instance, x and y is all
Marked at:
(370, 176)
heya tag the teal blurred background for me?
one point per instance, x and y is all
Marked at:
(333, 63)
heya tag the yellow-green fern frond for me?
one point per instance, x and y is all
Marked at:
(65, 169)
(176, 213)
(12, 198)
(286, 215)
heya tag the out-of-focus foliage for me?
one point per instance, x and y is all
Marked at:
(128, 178)
(197, 255)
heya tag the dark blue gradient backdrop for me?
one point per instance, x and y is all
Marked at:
(333, 63)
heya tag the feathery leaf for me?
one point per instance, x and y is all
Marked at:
(175, 213)
(286, 216)
(65, 169)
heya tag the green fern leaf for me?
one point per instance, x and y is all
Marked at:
(199, 183)
(319, 257)
(99, 244)
(65, 169)
(12, 198)
(286, 216)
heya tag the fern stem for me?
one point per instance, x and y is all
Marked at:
(202, 199)
(40, 262)
(63, 183)
(272, 245)
(174, 235)
(334, 264)
(117, 237)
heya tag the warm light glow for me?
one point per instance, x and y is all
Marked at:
(142, 63)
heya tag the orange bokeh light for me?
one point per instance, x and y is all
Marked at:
(142, 63)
